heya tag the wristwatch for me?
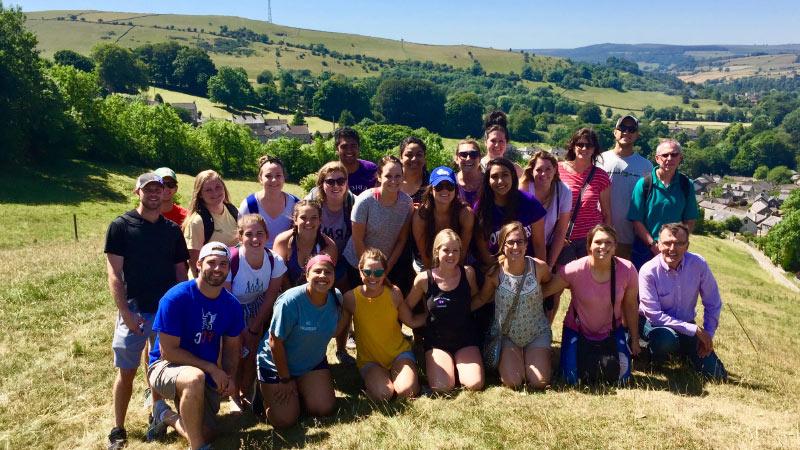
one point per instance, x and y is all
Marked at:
(285, 380)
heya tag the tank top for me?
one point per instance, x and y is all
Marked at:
(378, 335)
(449, 324)
(295, 271)
(529, 321)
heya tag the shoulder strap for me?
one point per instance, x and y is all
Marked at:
(613, 291)
(271, 258)
(648, 188)
(578, 201)
(513, 310)
(252, 204)
(234, 262)
(558, 212)
(208, 223)
(684, 182)
(232, 210)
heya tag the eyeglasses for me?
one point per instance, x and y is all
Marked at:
(444, 185)
(668, 155)
(171, 184)
(584, 145)
(335, 181)
(377, 273)
(515, 242)
(627, 129)
(474, 154)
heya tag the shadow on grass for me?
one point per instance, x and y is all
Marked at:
(67, 182)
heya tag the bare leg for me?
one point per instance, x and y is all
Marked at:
(512, 366)
(406, 382)
(441, 370)
(316, 389)
(379, 385)
(190, 388)
(470, 368)
(537, 367)
(281, 413)
(122, 391)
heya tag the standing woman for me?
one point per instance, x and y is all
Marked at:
(212, 217)
(440, 208)
(255, 279)
(495, 136)
(589, 184)
(385, 360)
(470, 174)
(415, 173)
(303, 241)
(381, 219)
(451, 341)
(593, 341)
(274, 205)
(516, 289)
(291, 358)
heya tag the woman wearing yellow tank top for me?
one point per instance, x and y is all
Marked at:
(383, 355)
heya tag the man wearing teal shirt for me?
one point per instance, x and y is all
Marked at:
(669, 199)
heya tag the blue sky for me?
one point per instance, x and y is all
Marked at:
(517, 24)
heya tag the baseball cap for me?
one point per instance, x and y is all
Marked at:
(214, 248)
(442, 173)
(165, 172)
(147, 178)
(622, 119)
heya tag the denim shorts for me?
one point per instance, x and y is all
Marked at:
(544, 340)
(409, 355)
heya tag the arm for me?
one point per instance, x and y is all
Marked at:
(231, 352)
(712, 302)
(193, 257)
(605, 205)
(641, 232)
(330, 249)
(117, 287)
(467, 219)
(399, 244)
(487, 291)
(559, 238)
(537, 239)
(418, 290)
(180, 272)
(348, 310)
(279, 356)
(418, 231)
(359, 231)
(484, 256)
(543, 273)
(630, 309)
(281, 244)
(172, 352)
(690, 224)
(403, 311)
(254, 330)
(555, 286)
(650, 306)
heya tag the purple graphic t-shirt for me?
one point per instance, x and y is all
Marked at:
(363, 178)
(528, 211)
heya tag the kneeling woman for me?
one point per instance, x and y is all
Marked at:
(291, 358)
(450, 338)
(384, 357)
(517, 292)
(603, 288)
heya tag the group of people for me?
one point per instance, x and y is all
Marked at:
(473, 261)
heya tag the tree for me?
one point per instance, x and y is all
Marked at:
(118, 68)
(780, 175)
(346, 118)
(231, 88)
(413, 102)
(74, 59)
(791, 123)
(589, 113)
(193, 68)
(298, 118)
(338, 94)
(463, 113)
(265, 77)
(782, 243)
(159, 58)
(761, 172)
(267, 96)
(522, 125)
(609, 113)
(771, 148)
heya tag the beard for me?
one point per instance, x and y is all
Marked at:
(214, 279)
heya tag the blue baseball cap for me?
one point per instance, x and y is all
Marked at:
(442, 173)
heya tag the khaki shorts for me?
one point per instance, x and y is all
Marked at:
(163, 377)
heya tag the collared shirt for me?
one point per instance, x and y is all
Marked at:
(666, 204)
(668, 297)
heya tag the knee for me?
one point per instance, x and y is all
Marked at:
(410, 391)
(381, 393)
(538, 383)
(475, 384)
(194, 380)
(126, 376)
(442, 385)
(663, 342)
(322, 407)
(284, 420)
(510, 379)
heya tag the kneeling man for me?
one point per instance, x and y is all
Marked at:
(194, 318)
(669, 285)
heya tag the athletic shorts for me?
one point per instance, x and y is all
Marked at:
(409, 355)
(128, 346)
(163, 377)
(269, 376)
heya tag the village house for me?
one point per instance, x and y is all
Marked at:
(266, 130)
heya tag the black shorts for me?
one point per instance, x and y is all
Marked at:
(269, 376)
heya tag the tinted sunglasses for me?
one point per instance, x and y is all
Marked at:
(584, 145)
(444, 185)
(377, 273)
(628, 129)
(171, 184)
(473, 154)
(335, 181)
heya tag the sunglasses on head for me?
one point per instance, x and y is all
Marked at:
(377, 273)
(472, 154)
(628, 128)
(335, 181)
(444, 185)
(171, 184)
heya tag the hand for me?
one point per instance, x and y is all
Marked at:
(635, 349)
(284, 392)
(232, 390)
(705, 343)
(221, 379)
(133, 321)
(249, 341)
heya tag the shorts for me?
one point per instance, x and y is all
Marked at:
(128, 346)
(544, 340)
(250, 310)
(409, 355)
(163, 377)
(270, 376)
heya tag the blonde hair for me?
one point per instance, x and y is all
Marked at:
(374, 254)
(502, 237)
(441, 237)
(250, 219)
(324, 171)
(199, 181)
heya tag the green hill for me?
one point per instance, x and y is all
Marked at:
(56, 374)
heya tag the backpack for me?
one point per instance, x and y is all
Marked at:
(683, 180)
(235, 262)
(208, 219)
(252, 203)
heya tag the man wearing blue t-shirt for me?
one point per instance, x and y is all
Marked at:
(194, 319)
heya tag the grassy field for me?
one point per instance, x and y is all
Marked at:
(56, 374)
(772, 66)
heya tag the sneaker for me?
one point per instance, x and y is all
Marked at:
(117, 438)
(157, 428)
(351, 343)
(345, 358)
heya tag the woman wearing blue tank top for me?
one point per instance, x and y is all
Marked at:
(303, 241)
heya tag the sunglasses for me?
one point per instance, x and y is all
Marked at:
(584, 145)
(667, 155)
(627, 129)
(171, 184)
(377, 273)
(474, 154)
(335, 181)
(515, 242)
(444, 185)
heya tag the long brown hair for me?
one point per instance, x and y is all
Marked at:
(527, 174)
(427, 209)
(200, 181)
(589, 134)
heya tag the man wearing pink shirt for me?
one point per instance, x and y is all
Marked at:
(669, 285)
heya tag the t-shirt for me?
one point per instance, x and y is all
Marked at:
(199, 321)
(383, 223)
(363, 178)
(334, 225)
(225, 230)
(592, 300)
(589, 215)
(250, 283)
(177, 214)
(559, 204)
(667, 204)
(527, 212)
(150, 252)
(277, 225)
(624, 173)
(304, 328)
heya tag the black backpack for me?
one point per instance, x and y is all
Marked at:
(208, 219)
(683, 180)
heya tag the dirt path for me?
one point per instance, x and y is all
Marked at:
(776, 272)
